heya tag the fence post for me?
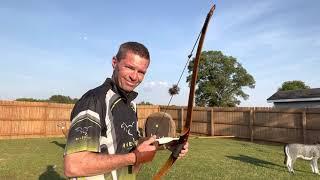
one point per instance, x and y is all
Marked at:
(252, 112)
(45, 118)
(304, 124)
(181, 120)
(212, 122)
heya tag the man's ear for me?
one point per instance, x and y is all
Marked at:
(114, 62)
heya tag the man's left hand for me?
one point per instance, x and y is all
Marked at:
(171, 146)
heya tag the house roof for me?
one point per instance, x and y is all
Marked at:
(296, 95)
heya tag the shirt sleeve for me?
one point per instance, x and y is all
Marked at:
(85, 130)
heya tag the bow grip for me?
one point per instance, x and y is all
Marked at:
(177, 150)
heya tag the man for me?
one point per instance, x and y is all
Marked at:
(103, 136)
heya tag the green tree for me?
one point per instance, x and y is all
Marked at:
(62, 99)
(30, 100)
(293, 85)
(54, 99)
(220, 80)
(145, 103)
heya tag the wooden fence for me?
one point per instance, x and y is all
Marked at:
(39, 119)
(34, 119)
(255, 123)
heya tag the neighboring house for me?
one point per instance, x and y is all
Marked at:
(296, 98)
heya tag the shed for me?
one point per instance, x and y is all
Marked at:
(303, 98)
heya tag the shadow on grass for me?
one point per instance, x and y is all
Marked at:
(262, 142)
(51, 174)
(59, 144)
(255, 161)
(261, 163)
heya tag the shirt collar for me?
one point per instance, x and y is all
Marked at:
(127, 96)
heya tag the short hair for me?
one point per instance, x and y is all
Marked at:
(134, 47)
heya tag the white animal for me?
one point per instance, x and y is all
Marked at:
(62, 126)
(303, 151)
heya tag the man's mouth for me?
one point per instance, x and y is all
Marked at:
(132, 84)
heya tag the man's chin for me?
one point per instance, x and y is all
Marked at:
(128, 89)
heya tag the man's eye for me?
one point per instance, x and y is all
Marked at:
(129, 67)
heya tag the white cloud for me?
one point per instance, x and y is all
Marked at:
(150, 86)
(84, 38)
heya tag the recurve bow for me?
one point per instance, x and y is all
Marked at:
(186, 128)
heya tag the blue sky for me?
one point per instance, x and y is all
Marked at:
(52, 47)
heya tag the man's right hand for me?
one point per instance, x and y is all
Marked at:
(145, 151)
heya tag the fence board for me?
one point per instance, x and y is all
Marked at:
(313, 121)
(232, 130)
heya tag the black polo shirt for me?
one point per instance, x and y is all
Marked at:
(104, 120)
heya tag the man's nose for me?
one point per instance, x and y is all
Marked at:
(134, 76)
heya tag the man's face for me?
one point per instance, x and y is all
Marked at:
(129, 72)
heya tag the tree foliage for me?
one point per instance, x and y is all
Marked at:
(53, 99)
(62, 99)
(145, 103)
(220, 80)
(293, 85)
(31, 100)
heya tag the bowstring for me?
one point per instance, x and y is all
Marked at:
(185, 66)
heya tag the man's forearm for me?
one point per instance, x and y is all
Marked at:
(90, 164)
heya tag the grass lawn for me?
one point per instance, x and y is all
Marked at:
(209, 158)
